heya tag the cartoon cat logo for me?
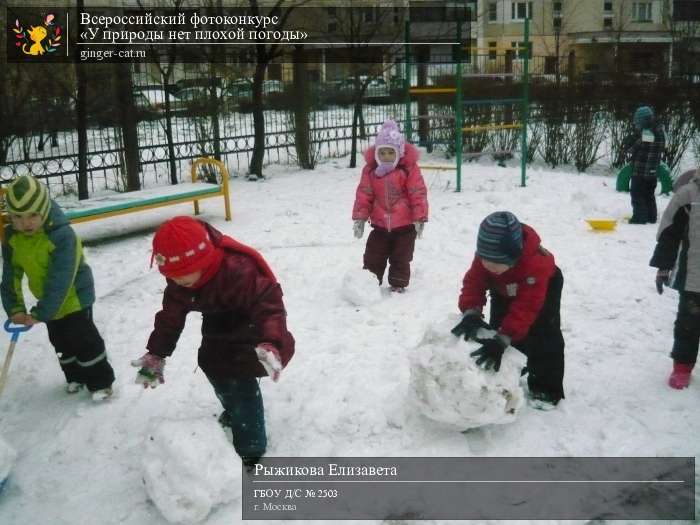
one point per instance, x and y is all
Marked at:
(37, 40)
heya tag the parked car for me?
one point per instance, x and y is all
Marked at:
(377, 87)
(195, 100)
(193, 94)
(150, 97)
(272, 86)
(241, 87)
(197, 82)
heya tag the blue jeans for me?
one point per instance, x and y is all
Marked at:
(242, 401)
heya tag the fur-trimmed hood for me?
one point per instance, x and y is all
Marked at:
(409, 159)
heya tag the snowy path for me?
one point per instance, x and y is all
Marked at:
(345, 392)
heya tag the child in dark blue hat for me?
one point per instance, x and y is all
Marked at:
(525, 287)
(645, 157)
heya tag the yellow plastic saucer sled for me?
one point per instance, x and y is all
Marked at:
(602, 224)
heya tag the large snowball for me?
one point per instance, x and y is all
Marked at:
(360, 288)
(7, 459)
(189, 466)
(447, 386)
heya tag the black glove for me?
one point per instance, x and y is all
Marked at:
(490, 354)
(469, 326)
(662, 279)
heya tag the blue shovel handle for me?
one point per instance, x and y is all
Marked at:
(15, 330)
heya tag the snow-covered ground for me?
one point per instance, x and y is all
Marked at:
(346, 392)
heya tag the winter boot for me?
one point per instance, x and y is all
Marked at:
(225, 422)
(225, 419)
(249, 462)
(542, 401)
(102, 394)
(680, 377)
(398, 289)
(73, 387)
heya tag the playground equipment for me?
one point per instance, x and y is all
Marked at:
(459, 102)
(15, 331)
(663, 173)
(602, 224)
(210, 178)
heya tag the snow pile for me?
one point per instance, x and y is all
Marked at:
(189, 467)
(447, 386)
(360, 288)
(7, 459)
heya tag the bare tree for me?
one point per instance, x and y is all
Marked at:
(685, 32)
(81, 124)
(265, 53)
(359, 25)
(372, 33)
(165, 65)
(558, 25)
(624, 16)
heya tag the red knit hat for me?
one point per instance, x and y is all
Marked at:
(182, 246)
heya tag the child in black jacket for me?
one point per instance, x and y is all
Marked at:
(677, 257)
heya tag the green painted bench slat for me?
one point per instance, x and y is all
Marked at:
(138, 203)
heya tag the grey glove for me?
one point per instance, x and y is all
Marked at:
(420, 225)
(663, 278)
(358, 228)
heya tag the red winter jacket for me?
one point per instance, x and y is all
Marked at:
(525, 285)
(241, 306)
(397, 199)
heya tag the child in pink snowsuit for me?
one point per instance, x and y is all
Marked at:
(393, 196)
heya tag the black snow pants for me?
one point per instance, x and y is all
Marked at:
(544, 344)
(81, 350)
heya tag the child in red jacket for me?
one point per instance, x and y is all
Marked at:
(244, 330)
(393, 196)
(525, 287)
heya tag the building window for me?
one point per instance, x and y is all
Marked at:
(608, 23)
(519, 48)
(520, 10)
(607, 7)
(493, 12)
(492, 50)
(435, 12)
(641, 11)
(457, 12)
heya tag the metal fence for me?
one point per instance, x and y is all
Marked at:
(52, 155)
(48, 148)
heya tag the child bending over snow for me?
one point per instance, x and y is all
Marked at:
(244, 327)
(525, 287)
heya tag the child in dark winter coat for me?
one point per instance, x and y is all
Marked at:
(678, 247)
(645, 155)
(393, 196)
(244, 328)
(40, 243)
(525, 287)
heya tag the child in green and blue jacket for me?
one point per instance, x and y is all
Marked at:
(40, 243)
